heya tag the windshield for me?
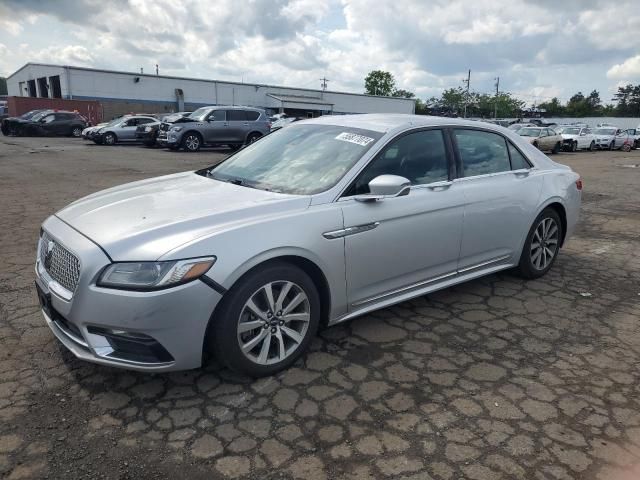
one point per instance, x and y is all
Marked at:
(606, 131)
(115, 121)
(29, 114)
(301, 160)
(40, 115)
(529, 132)
(515, 126)
(570, 131)
(200, 113)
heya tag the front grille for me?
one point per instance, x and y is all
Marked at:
(164, 126)
(62, 265)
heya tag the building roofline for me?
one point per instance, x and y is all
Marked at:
(120, 72)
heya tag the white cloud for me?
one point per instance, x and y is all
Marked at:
(629, 69)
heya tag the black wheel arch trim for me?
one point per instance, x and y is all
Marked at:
(213, 284)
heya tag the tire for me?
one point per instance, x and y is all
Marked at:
(252, 137)
(76, 132)
(574, 147)
(262, 358)
(535, 144)
(191, 142)
(534, 259)
(109, 138)
(556, 148)
(612, 145)
(592, 146)
(234, 147)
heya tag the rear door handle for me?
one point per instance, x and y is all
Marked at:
(439, 186)
(246, 124)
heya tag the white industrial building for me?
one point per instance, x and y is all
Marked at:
(123, 92)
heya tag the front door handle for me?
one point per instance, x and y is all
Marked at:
(521, 173)
(225, 124)
(439, 186)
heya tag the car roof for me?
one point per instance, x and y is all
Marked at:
(234, 107)
(391, 121)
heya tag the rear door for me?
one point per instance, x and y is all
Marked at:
(237, 125)
(398, 244)
(501, 192)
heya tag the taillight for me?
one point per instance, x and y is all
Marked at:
(579, 183)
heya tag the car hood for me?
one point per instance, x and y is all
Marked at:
(568, 136)
(145, 220)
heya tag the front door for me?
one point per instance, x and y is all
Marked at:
(127, 131)
(403, 242)
(216, 128)
(501, 191)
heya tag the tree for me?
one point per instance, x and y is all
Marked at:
(628, 100)
(553, 108)
(379, 82)
(3, 86)
(399, 92)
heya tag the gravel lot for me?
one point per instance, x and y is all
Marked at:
(496, 378)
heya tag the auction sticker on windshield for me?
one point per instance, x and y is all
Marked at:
(354, 138)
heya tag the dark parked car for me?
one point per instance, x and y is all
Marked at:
(148, 133)
(9, 123)
(47, 123)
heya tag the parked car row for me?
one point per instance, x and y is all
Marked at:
(45, 122)
(578, 137)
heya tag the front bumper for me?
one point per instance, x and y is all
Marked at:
(168, 138)
(147, 331)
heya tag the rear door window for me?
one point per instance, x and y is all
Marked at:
(142, 121)
(481, 153)
(236, 116)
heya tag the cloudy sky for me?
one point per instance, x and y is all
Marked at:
(538, 48)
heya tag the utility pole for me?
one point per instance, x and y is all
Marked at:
(157, 69)
(466, 98)
(495, 114)
(324, 81)
(141, 70)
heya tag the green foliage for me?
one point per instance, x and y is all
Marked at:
(403, 93)
(379, 82)
(3, 86)
(628, 101)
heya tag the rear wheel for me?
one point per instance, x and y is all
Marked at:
(542, 245)
(267, 320)
(253, 137)
(535, 144)
(192, 142)
(76, 132)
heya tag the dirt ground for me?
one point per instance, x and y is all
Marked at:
(495, 378)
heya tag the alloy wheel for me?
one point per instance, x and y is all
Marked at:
(274, 322)
(76, 132)
(544, 244)
(192, 142)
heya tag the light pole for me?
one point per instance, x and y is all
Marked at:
(495, 113)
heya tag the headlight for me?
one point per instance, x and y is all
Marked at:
(154, 275)
(176, 129)
(147, 129)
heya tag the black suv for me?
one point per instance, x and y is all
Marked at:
(46, 123)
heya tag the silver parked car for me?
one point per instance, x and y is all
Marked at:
(121, 129)
(317, 223)
(233, 126)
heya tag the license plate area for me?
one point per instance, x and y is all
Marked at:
(44, 299)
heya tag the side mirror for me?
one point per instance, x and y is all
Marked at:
(386, 186)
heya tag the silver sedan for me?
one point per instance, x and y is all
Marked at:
(317, 223)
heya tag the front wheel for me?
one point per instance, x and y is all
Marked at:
(592, 146)
(267, 320)
(556, 148)
(542, 245)
(574, 147)
(612, 145)
(192, 142)
(109, 139)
